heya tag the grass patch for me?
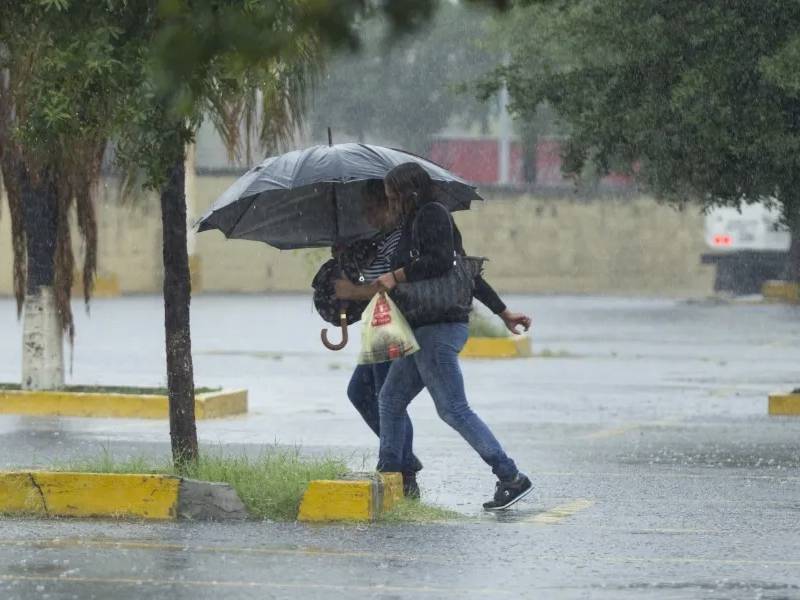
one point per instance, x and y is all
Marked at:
(113, 389)
(414, 511)
(271, 485)
(481, 325)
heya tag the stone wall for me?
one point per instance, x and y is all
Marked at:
(606, 245)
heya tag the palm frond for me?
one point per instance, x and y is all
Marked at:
(263, 105)
(63, 260)
(10, 167)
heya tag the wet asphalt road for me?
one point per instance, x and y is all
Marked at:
(642, 424)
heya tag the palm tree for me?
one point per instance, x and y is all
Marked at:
(50, 157)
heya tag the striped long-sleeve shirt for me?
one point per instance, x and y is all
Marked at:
(383, 258)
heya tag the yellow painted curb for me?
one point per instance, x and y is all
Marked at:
(56, 494)
(362, 497)
(224, 403)
(784, 404)
(508, 347)
(103, 404)
(781, 291)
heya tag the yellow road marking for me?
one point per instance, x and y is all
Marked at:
(560, 512)
(446, 591)
(627, 428)
(607, 433)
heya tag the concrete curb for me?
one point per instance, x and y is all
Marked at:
(506, 347)
(104, 405)
(784, 404)
(781, 291)
(355, 497)
(116, 495)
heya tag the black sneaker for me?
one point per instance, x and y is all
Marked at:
(410, 487)
(508, 493)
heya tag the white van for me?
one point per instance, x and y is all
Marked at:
(748, 245)
(754, 227)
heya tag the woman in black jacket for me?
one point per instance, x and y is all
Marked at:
(427, 254)
(367, 380)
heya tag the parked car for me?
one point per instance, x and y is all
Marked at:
(748, 245)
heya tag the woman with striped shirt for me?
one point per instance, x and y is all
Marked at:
(367, 380)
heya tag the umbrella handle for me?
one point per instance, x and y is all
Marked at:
(343, 343)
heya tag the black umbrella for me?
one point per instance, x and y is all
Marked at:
(312, 198)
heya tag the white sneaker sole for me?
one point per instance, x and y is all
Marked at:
(512, 503)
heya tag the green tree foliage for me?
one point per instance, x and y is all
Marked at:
(234, 60)
(62, 70)
(407, 91)
(76, 73)
(704, 96)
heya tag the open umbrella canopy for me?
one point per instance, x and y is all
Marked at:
(313, 197)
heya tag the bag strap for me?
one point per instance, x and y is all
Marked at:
(415, 252)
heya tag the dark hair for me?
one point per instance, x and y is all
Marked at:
(373, 192)
(412, 184)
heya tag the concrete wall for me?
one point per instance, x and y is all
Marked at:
(546, 245)
(6, 267)
(604, 245)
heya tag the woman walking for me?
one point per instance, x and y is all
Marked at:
(425, 250)
(367, 380)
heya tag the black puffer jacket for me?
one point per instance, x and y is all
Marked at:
(438, 237)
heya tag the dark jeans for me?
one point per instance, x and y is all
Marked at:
(363, 389)
(435, 366)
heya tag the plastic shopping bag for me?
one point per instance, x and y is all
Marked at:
(386, 334)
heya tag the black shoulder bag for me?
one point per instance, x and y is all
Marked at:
(439, 299)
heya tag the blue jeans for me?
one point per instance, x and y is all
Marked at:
(435, 366)
(363, 389)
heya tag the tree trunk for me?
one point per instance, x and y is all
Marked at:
(177, 296)
(530, 141)
(794, 249)
(42, 334)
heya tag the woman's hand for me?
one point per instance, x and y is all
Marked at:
(387, 281)
(344, 289)
(514, 320)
